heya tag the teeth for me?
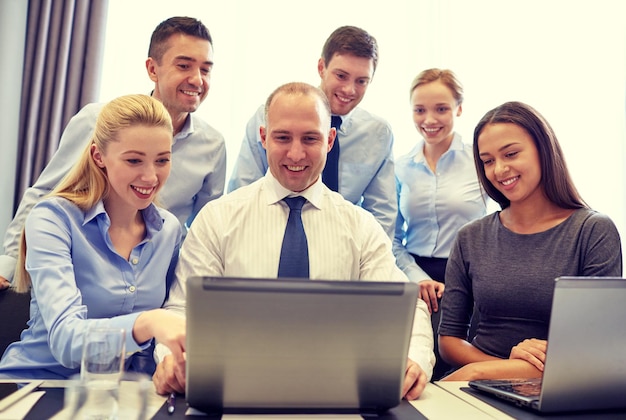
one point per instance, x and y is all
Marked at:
(431, 130)
(509, 181)
(295, 168)
(344, 100)
(191, 93)
(144, 191)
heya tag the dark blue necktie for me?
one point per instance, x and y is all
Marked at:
(294, 254)
(330, 175)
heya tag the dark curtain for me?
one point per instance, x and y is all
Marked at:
(62, 65)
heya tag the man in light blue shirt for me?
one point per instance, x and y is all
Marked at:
(366, 170)
(180, 63)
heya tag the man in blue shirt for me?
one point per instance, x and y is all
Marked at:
(366, 170)
(180, 62)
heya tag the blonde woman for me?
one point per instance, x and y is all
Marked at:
(438, 190)
(97, 252)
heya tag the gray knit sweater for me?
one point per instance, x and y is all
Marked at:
(511, 276)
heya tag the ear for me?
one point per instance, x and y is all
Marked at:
(96, 155)
(459, 111)
(263, 134)
(321, 66)
(151, 68)
(332, 134)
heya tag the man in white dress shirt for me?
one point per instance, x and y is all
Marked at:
(241, 233)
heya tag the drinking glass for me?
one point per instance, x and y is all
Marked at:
(102, 367)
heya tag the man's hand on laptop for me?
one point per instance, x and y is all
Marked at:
(414, 381)
(532, 350)
(4, 283)
(170, 376)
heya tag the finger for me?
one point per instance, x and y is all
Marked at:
(536, 363)
(418, 387)
(442, 287)
(424, 296)
(434, 302)
(180, 372)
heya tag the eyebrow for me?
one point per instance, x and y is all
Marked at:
(339, 70)
(168, 152)
(187, 58)
(312, 132)
(500, 149)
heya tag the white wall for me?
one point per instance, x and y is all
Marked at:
(567, 58)
(12, 36)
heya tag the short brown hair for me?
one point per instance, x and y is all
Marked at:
(350, 40)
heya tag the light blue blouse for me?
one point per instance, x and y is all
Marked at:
(197, 176)
(80, 281)
(433, 206)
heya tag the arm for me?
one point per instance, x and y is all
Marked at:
(378, 263)
(430, 290)
(532, 350)
(51, 249)
(457, 308)
(75, 137)
(459, 352)
(215, 169)
(199, 256)
(251, 163)
(495, 369)
(603, 251)
(379, 198)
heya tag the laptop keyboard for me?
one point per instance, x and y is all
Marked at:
(523, 387)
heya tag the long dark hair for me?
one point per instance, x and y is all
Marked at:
(555, 178)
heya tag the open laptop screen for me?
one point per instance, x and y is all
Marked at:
(287, 345)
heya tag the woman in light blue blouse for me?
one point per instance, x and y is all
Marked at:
(437, 187)
(97, 252)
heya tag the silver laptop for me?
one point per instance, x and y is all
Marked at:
(585, 367)
(295, 346)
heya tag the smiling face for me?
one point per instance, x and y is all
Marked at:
(137, 165)
(297, 137)
(434, 110)
(511, 162)
(182, 77)
(344, 80)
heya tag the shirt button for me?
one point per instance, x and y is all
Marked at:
(132, 288)
(135, 261)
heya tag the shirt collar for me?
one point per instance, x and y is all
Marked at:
(346, 122)
(276, 192)
(456, 144)
(151, 216)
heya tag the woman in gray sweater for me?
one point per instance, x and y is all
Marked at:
(506, 262)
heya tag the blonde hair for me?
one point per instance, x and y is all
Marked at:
(86, 183)
(447, 77)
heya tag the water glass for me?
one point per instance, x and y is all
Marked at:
(96, 395)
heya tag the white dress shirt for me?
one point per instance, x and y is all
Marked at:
(366, 170)
(240, 235)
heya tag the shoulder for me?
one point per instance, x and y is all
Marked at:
(59, 203)
(482, 226)
(348, 210)
(362, 116)
(206, 130)
(410, 156)
(85, 119)
(56, 210)
(91, 110)
(238, 199)
(589, 218)
(166, 216)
